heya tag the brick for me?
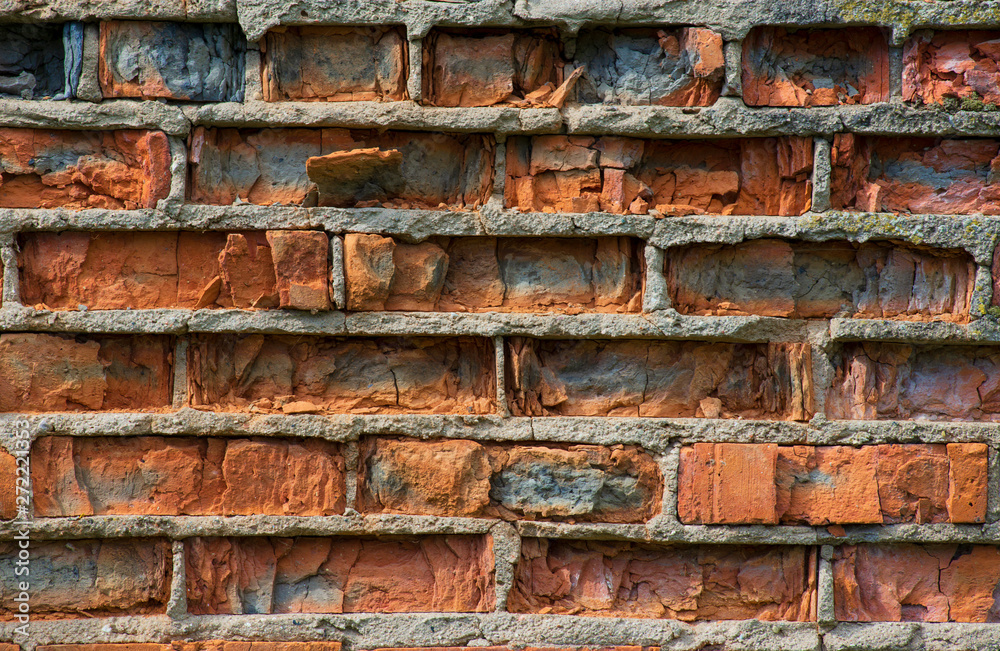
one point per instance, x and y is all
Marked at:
(283, 166)
(126, 646)
(388, 375)
(750, 176)
(8, 485)
(821, 280)
(32, 65)
(153, 475)
(339, 575)
(91, 578)
(199, 645)
(334, 64)
(668, 67)
(734, 483)
(487, 274)
(915, 175)
(179, 61)
(487, 67)
(898, 381)
(615, 579)
(915, 583)
(141, 270)
(584, 483)
(959, 64)
(658, 379)
(125, 169)
(815, 67)
(40, 372)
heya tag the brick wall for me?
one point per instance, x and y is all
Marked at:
(413, 326)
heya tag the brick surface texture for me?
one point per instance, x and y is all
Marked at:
(510, 326)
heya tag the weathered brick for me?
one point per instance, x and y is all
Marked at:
(180, 61)
(90, 578)
(488, 274)
(153, 475)
(821, 280)
(339, 575)
(139, 270)
(916, 583)
(750, 176)
(200, 645)
(348, 167)
(388, 375)
(40, 372)
(124, 646)
(32, 61)
(899, 381)
(669, 67)
(915, 175)
(659, 379)
(585, 483)
(486, 67)
(959, 64)
(334, 64)
(815, 67)
(8, 485)
(734, 483)
(83, 169)
(686, 583)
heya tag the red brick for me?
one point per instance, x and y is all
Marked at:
(339, 575)
(342, 375)
(615, 579)
(92, 578)
(221, 645)
(821, 280)
(915, 175)
(40, 372)
(815, 67)
(584, 483)
(659, 379)
(153, 475)
(125, 169)
(486, 67)
(141, 270)
(334, 64)
(8, 485)
(125, 646)
(269, 167)
(762, 176)
(951, 64)
(730, 483)
(898, 381)
(915, 583)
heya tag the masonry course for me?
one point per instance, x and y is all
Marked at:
(439, 303)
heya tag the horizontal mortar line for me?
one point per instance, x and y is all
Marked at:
(980, 331)
(654, 434)
(373, 630)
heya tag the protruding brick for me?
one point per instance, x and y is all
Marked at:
(334, 64)
(750, 176)
(8, 485)
(669, 67)
(821, 280)
(659, 379)
(585, 483)
(915, 175)
(202, 62)
(40, 372)
(388, 375)
(368, 270)
(33, 62)
(960, 64)
(269, 166)
(815, 67)
(125, 169)
(302, 268)
(898, 381)
(614, 579)
(90, 578)
(916, 583)
(730, 483)
(153, 475)
(339, 575)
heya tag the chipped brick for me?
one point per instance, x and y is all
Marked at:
(959, 64)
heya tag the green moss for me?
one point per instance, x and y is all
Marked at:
(972, 104)
(951, 103)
